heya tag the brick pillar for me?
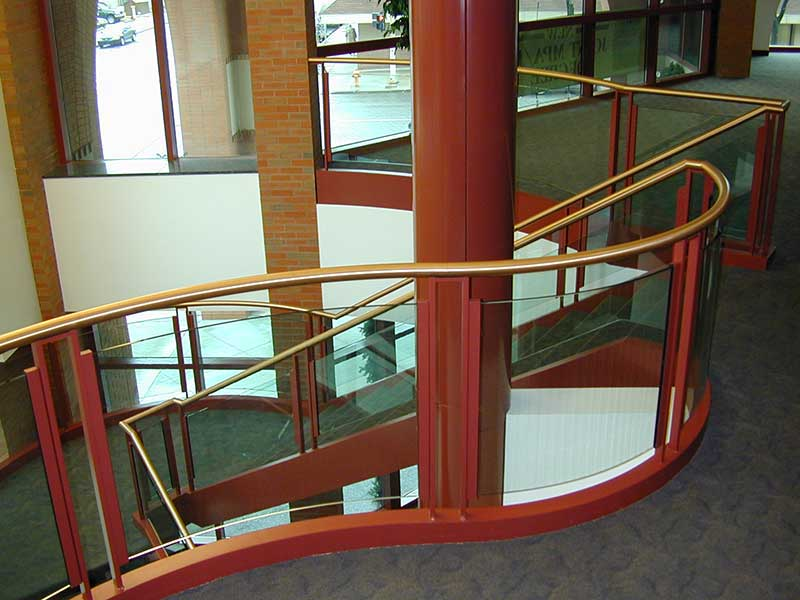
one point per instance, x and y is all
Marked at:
(30, 103)
(279, 39)
(278, 42)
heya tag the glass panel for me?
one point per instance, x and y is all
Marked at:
(229, 333)
(370, 104)
(704, 324)
(587, 380)
(733, 152)
(609, 5)
(156, 512)
(369, 378)
(210, 75)
(227, 441)
(570, 163)
(537, 10)
(679, 44)
(340, 23)
(109, 80)
(786, 26)
(554, 49)
(620, 51)
(33, 565)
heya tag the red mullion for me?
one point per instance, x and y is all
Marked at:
(651, 44)
(588, 40)
(169, 447)
(54, 76)
(684, 349)
(757, 187)
(326, 117)
(297, 412)
(773, 191)
(102, 470)
(705, 42)
(160, 31)
(55, 469)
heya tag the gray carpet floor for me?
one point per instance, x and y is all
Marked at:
(728, 526)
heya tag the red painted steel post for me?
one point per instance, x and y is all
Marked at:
(464, 88)
(613, 139)
(756, 187)
(169, 447)
(56, 472)
(326, 117)
(297, 412)
(196, 351)
(764, 190)
(687, 324)
(176, 331)
(773, 190)
(102, 470)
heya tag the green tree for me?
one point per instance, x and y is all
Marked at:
(395, 13)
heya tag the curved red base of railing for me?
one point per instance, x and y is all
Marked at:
(408, 527)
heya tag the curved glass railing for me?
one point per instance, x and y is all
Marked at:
(343, 397)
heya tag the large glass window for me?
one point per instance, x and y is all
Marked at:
(608, 5)
(553, 49)
(210, 76)
(536, 10)
(679, 44)
(620, 51)
(786, 26)
(109, 79)
(349, 21)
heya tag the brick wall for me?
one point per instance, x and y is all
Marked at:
(278, 44)
(284, 140)
(34, 139)
(206, 34)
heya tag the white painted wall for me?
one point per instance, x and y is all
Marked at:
(124, 236)
(765, 14)
(353, 235)
(18, 302)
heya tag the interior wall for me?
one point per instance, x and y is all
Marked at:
(18, 303)
(765, 15)
(352, 235)
(124, 236)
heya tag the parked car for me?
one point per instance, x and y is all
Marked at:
(111, 15)
(117, 34)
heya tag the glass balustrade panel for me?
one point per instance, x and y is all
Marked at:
(369, 376)
(586, 379)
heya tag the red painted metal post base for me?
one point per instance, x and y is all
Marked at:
(408, 527)
(741, 258)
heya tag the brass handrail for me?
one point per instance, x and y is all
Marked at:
(603, 185)
(288, 307)
(360, 61)
(253, 283)
(774, 104)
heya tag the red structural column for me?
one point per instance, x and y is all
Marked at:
(464, 87)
